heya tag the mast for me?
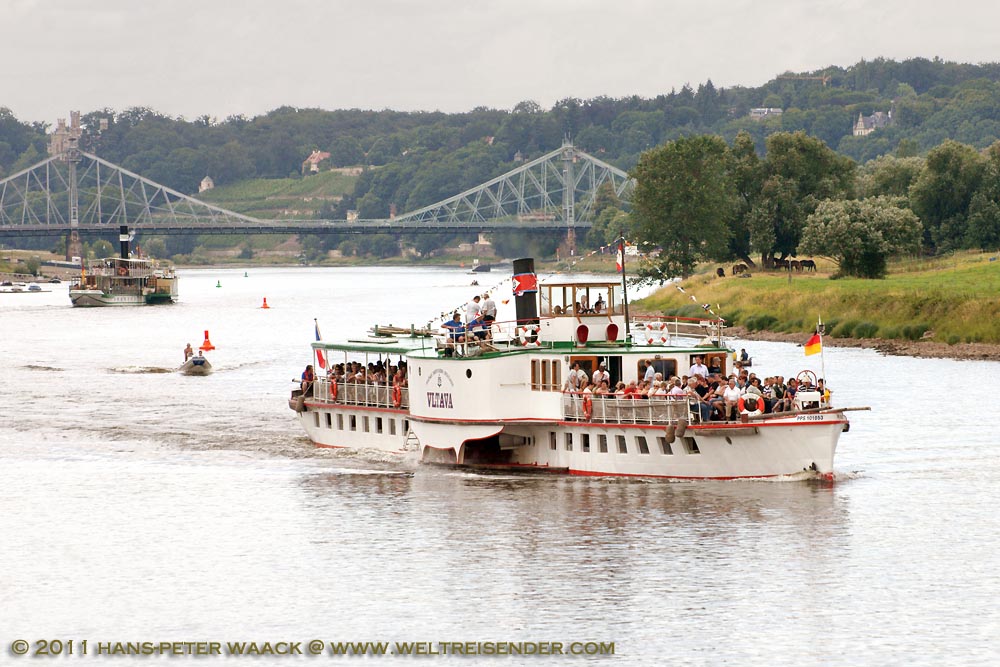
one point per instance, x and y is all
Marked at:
(621, 255)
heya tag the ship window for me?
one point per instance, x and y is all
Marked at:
(378, 424)
(552, 440)
(316, 418)
(602, 443)
(643, 446)
(534, 374)
(585, 442)
(329, 420)
(690, 446)
(353, 422)
(340, 422)
(365, 422)
(392, 427)
(545, 375)
(665, 446)
(556, 384)
(569, 442)
(622, 447)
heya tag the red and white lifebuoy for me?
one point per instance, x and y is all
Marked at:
(397, 396)
(588, 406)
(758, 405)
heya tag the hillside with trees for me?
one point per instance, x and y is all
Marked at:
(942, 116)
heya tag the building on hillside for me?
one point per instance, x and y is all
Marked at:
(64, 138)
(312, 162)
(868, 124)
(764, 112)
(206, 184)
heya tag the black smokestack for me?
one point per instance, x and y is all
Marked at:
(525, 291)
(123, 240)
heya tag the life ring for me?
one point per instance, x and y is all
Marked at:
(122, 271)
(742, 405)
(808, 376)
(397, 396)
(588, 406)
(333, 390)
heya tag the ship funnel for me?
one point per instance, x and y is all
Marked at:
(123, 241)
(525, 290)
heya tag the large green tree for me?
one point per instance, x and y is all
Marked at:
(860, 235)
(798, 172)
(683, 202)
(983, 229)
(943, 192)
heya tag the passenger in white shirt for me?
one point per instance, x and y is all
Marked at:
(698, 368)
(472, 309)
(601, 375)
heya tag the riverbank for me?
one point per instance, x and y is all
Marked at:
(945, 307)
(927, 349)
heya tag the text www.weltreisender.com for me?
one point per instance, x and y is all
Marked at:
(471, 648)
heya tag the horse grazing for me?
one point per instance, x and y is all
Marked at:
(795, 265)
(808, 265)
(781, 264)
(739, 268)
(721, 272)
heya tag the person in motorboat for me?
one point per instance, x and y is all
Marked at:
(188, 352)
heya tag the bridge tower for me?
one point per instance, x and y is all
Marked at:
(569, 193)
(65, 141)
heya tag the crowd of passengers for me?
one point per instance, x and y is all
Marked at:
(714, 396)
(354, 372)
(480, 313)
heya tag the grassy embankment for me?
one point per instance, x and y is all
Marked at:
(951, 300)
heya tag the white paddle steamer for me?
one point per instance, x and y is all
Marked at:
(503, 403)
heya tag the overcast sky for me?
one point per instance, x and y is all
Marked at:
(224, 57)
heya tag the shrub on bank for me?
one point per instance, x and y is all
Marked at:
(865, 330)
(844, 330)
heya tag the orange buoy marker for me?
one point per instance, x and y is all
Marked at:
(207, 345)
(265, 303)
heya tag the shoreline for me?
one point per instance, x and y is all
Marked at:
(925, 349)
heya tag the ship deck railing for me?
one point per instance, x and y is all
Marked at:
(361, 394)
(673, 330)
(614, 409)
(502, 336)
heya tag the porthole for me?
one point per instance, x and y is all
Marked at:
(468, 372)
(729, 440)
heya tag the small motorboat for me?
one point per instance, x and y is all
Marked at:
(196, 365)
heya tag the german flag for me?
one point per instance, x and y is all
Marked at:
(814, 345)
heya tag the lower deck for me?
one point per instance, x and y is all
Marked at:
(798, 444)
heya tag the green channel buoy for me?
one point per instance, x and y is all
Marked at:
(218, 283)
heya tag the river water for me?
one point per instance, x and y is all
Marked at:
(140, 505)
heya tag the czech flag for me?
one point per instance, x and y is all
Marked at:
(620, 257)
(320, 360)
(814, 345)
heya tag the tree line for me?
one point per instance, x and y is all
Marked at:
(413, 159)
(699, 198)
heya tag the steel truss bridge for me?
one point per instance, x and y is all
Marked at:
(77, 192)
